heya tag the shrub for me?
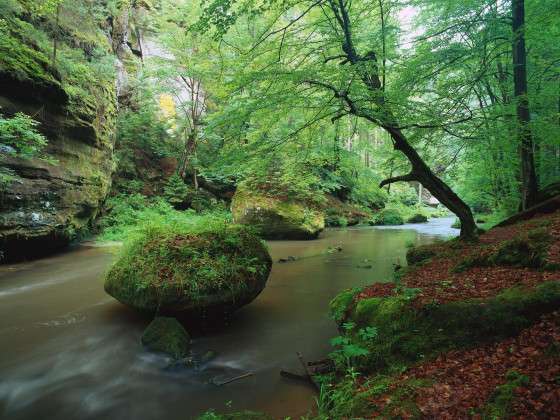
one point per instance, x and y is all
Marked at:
(388, 216)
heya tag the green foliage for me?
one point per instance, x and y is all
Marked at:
(19, 138)
(128, 215)
(176, 191)
(388, 216)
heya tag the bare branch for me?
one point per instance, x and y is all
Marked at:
(408, 177)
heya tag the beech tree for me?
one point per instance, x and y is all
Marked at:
(330, 54)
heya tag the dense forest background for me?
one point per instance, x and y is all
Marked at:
(305, 100)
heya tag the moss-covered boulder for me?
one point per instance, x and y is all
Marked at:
(387, 217)
(277, 218)
(417, 218)
(207, 274)
(167, 335)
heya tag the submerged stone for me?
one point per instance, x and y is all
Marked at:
(168, 336)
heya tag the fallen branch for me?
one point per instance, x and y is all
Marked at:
(236, 378)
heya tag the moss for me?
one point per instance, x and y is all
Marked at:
(341, 303)
(407, 334)
(167, 335)
(419, 254)
(417, 218)
(387, 217)
(20, 57)
(499, 405)
(218, 270)
(275, 217)
(525, 251)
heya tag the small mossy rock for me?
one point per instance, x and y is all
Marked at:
(197, 275)
(418, 218)
(277, 218)
(167, 335)
(387, 217)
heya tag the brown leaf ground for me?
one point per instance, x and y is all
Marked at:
(462, 382)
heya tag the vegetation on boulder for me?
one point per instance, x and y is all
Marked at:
(202, 274)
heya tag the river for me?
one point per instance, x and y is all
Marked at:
(69, 351)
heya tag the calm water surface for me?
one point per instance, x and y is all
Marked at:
(69, 351)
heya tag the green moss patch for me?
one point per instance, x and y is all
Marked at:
(277, 217)
(417, 218)
(420, 254)
(387, 217)
(210, 272)
(499, 406)
(524, 251)
(407, 333)
(167, 335)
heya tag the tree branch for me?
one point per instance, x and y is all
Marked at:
(408, 177)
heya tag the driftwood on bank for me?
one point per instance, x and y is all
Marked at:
(311, 370)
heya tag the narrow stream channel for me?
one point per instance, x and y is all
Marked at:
(69, 351)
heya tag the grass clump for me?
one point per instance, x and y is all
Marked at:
(128, 215)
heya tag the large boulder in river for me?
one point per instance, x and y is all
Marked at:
(52, 200)
(277, 218)
(208, 274)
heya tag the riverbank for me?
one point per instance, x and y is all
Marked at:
(469, 330)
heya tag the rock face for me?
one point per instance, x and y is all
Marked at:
(205, 275)
(49, 203)
(52, 201)
(167, 335)
(276, 218)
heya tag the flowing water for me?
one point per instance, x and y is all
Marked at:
(69, 351)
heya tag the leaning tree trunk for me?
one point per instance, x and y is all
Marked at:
(368, 71)
(529, 184)
(422, 173)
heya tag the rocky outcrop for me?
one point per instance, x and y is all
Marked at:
(200, 276)
(50, 203)
(276, 218)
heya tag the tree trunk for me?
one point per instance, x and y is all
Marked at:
(368, 71)
(422, 173)
(529, 185)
